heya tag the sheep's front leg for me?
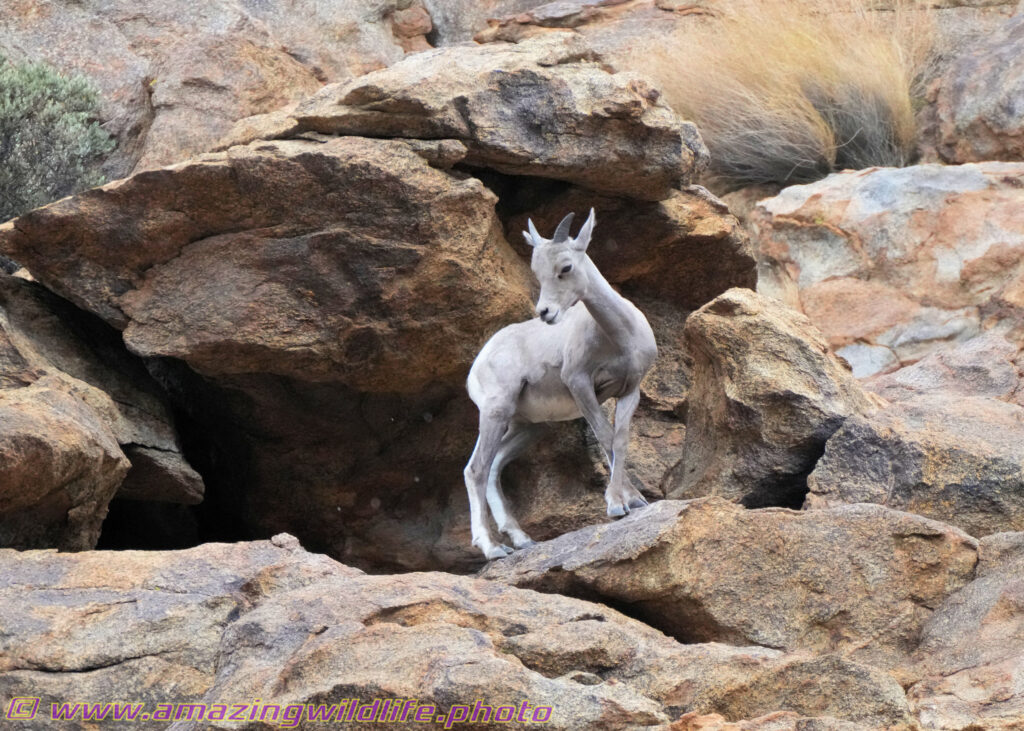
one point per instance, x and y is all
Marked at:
(619, 496)
(493, 425)
(582, 389)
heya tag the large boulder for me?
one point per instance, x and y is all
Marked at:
(892, 264)
(859, 579)
(972, 647)
(78, 409)
(60, 466)
(976, 109)
(277, 258)
(175, 76)
(268, 621)
(766, 396)
(952, 458)
(543, 108)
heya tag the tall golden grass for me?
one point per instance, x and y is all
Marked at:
(786, 91)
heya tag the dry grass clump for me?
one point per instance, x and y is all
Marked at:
(786, 91)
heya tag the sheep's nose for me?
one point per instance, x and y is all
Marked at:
(543, 313)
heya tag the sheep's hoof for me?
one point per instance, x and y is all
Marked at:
(497, 551)
(525, 544)
(617, 511)
(637, 502)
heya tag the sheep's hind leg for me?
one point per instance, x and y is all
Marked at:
(493, 425)
(517, 439)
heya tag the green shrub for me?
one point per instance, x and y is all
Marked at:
(50, 142)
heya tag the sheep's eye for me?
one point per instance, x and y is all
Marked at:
(567, 268)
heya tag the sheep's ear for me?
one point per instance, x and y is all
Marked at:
(582, 240)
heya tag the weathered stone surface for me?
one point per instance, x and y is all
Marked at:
(267, 620)
(612, 27)
(976, 110)
(779, 721)
(766, 395)
(542, 108)
(988, 366)
(892, 264)
(456, 21)
(83, 380)
(859, 580)
(59, 467)
(687, 249)
(972, 648)
(278, 258)
(174, 76)
(952, 458)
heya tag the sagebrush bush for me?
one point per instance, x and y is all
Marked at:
(786, 91)
(50, 142)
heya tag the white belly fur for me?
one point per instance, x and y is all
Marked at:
(548, 400)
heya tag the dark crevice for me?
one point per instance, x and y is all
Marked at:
(8, 266)
(788, 491)
(211, 444)
(150, 525)
(517, 194)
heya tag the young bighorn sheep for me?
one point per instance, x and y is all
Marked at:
(558, 367)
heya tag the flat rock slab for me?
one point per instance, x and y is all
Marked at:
(227, 623)
(955, 459)
(858, 579)
(543, 107)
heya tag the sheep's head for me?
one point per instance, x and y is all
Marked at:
(559, 265)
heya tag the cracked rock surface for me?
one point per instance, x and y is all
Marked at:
(859, 580)
(267, 620)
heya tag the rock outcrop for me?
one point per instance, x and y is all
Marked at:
(766, 394)
(972, 648)
(859, 580)
(76, 410)
(534, 108)
(457, 21)
(313, 302)
(975, 108)
(952, 458)
(175, 76)
(349, 274)
(250, 621)
(893, 264)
